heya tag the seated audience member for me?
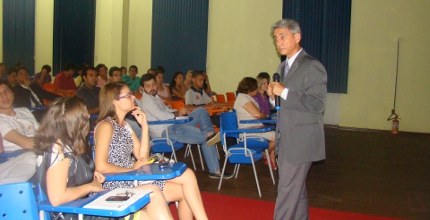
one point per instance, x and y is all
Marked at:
(3, 72)
(29, 95)
(188, 81)
(114, 74)
(132, 80)
(103, 75)
(17, 128)
(263, 80)
(188, 133)
(12, 77)
(123, 71)
(15, 169)
(163, 89)
(207, 85)
(64, 80)
(44, 76)
(177, 87)
(77, 77)
(119, 150)
(196, 95)
(247, 109)
(89, 92)
(62, 145)
(151, 71)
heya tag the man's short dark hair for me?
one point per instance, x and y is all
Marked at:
(99, 66)
(3, 82)
(134, 67)
(69, 66)
(22, 68)
(11, 70)
(146, 77)
(85, 71)
(47, 68)
(197, 73)
(113, 69)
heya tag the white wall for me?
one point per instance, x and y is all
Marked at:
(44, 34)
(139, 34)
(108, 33)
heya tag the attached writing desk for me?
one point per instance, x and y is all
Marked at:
(255, 121)
(155, 171)
(77, 207)
(177, 120)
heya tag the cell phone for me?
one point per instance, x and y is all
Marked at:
(117, 198)
(164, 165)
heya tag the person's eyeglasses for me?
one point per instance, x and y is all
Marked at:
(128, 95)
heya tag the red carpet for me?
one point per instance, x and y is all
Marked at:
(227, 207)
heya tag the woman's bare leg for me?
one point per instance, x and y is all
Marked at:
(186, 190)
(157, 208)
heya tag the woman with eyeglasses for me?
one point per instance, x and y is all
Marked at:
(66, 172)
(117, 150)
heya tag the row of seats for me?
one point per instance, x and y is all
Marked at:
(231, 97)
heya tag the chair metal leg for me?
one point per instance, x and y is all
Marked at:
(189, 152)
(174, 156)
(256, 177)
(222, 172)
(201, 158)
(237, 171)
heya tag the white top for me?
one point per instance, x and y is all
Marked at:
(241, 100)
(195, 98)
(23, 122)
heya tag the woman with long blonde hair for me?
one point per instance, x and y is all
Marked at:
(119, 150)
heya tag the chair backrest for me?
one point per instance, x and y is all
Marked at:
(220, 98)
(231, 97)
(177, 104)
(228, 121)
(18, 201)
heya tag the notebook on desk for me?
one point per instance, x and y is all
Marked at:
(118, 199)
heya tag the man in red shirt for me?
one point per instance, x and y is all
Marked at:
(64, 80)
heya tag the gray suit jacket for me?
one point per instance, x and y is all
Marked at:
(300, 131)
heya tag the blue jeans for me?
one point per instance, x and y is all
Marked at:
(188, 133)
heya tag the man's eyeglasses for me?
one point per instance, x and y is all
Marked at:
(128, 95)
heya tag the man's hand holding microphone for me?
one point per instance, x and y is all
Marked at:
(275, 89)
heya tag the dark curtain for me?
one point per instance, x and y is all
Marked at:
(325, 28)
(74, 30)
(18, 33)
(179, 35)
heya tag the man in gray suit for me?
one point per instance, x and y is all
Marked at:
(300, 131)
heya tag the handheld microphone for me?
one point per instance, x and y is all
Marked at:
(276, 78)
